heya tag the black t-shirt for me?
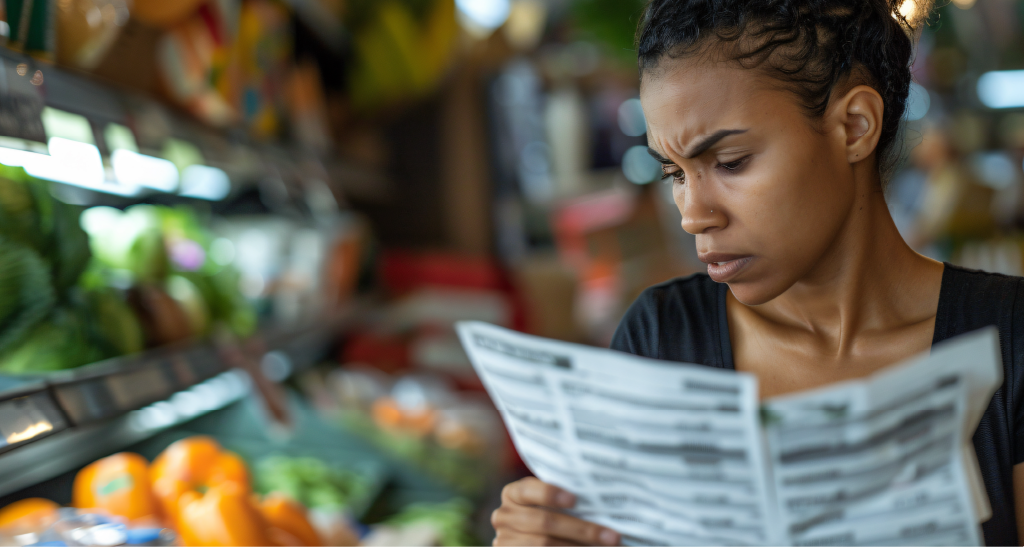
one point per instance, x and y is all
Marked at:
(685, 320)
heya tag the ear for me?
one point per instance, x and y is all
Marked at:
(860, 113)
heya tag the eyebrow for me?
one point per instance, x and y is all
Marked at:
(661, 159)
(702, 145)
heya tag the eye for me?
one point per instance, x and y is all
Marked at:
(672, 171)
(734, 165)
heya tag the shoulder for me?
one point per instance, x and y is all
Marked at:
(672, 319)
(962, 282)
(972, 299)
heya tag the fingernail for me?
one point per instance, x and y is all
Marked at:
(609, 537)
(565, 499)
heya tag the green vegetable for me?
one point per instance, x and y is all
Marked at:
(225, 301)
(144, 244)
(450, 518)
(309, 481)
(60, 342)
(26, 209)
(147, 257)
(26, 293)
(31, 217)
(114, 323)
(68, 247)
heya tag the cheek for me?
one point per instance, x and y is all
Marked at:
(790, 204)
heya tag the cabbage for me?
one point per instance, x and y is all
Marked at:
(68, 247)
(26, 292)
(31, 217)
(60, 342)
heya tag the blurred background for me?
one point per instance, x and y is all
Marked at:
(235, 236)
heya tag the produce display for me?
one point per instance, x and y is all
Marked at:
(139, 278)
(452, 435)
(119, 485)
(427, 524)
(197, 493)
(47, 321)
(309, 481)
(25, 516)
(178, 278)
(199, 490)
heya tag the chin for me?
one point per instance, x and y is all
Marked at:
(755, 292)
(749, 294)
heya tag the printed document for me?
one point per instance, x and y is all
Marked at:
(680, 454)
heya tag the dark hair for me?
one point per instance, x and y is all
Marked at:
(810, 45)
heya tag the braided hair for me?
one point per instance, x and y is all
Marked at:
(812, 46)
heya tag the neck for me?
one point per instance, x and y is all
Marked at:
(869, 280)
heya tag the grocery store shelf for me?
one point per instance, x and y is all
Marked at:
(28, 86)
(111, 388)
(113, 402)
(72, 448)
(27, 414)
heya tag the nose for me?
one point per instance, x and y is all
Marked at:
(701, 213)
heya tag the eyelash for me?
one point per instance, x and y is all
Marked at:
(679, 176)
(734, 165)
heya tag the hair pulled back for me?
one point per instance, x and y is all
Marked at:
(812, 46)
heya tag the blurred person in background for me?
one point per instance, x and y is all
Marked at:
(778, 124)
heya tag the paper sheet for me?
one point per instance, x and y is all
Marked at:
(675, 454)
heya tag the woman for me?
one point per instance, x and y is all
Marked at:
(777, 122)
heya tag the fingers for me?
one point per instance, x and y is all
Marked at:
(535, 521)
(511, 537)
(531, 491)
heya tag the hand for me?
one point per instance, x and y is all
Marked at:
(529, 515)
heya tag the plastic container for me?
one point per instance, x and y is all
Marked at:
(75, 527)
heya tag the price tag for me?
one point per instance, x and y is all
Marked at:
(139, 387)
(28, 418)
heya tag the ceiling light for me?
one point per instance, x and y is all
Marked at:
(136, 169)
(204, 182)
(1002, 89)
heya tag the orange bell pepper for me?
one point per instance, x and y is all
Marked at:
(117, 484)
(224, 515)
(193, 464)
(28, 515)
(285, 515)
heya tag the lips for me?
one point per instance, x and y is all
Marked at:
(723, 266)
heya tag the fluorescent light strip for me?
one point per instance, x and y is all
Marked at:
(70, 162)
(204, 182)
(134, 169)
(1002, 89)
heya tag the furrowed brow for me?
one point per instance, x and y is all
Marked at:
(706, 143)
(661, 159)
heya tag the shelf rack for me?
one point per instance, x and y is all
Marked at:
(55, 423)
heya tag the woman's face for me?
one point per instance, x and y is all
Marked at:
(765, 191)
